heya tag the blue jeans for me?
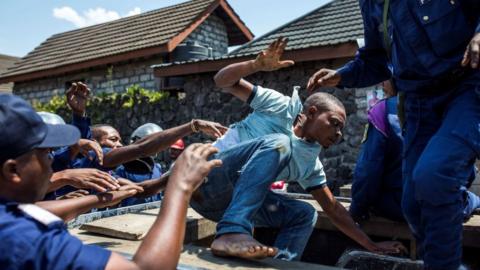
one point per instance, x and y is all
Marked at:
(238, 197)
(441, 143)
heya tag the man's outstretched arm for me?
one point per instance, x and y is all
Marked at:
(342, 220)
(159, 141)
(230, 78)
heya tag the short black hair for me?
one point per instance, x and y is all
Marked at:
(322, 101)
(97, 131)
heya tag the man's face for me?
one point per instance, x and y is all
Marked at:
(174, 153)
(326, 127)
(34, 169)
(110, 138)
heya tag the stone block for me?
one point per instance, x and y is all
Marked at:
(150, 85)
(145, 77)
(134, 79)
(124, 81)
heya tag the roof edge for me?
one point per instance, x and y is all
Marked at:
(318, 53)
(82, 65)
(176, 40)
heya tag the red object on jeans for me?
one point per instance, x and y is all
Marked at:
(278, 185)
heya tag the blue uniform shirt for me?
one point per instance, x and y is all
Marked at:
(61, 157)
(83, 124)
(138, 171)
(428, 39)
(33, 238)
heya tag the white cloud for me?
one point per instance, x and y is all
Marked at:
(134, 11)
(91, 16)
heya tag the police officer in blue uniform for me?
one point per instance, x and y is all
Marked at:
(33, 238)
(433, 48)
(377, 183)
(143, 168)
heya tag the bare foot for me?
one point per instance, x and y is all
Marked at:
(241, 245)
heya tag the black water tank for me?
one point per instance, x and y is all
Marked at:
(184, 52)
(189, 51)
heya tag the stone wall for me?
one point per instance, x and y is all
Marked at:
(212, 33)
(105, 79)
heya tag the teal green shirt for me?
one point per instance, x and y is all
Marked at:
(274, 112)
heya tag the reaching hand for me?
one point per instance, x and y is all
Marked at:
(323, 78)
(389, 247)
(114, 197)
(90, 179)
(472, 53)
(127, 184)
(84, 146)
(209, 128)
(77, 97)
(192, 166)
(74, 194)
(269, 59)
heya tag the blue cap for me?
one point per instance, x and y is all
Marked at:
(22, 129)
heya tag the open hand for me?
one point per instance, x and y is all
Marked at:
(210, 128)
(77, 97)
(472, 53)
(323, 78)
(269, 59)
(192, 166)
(114, 197)
(84, 146)
(127, 184)
(90, 179)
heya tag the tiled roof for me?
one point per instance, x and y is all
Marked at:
(7, 61)
(147, 30)
(337, 22)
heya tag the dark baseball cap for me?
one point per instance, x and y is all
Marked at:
(22, 129)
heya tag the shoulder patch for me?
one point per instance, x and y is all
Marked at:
(39, 214)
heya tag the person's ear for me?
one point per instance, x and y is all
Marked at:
(9, 171)
(312, 110)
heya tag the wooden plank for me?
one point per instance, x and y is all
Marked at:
(197, 257)
(203, 258)
(346, 191)
(383, 227)
(134, 226)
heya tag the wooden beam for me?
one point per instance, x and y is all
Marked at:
(173, 43)
(303, 55)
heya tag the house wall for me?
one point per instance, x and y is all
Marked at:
(212, 33)
(105, 79)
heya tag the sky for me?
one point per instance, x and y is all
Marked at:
(24, 24)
